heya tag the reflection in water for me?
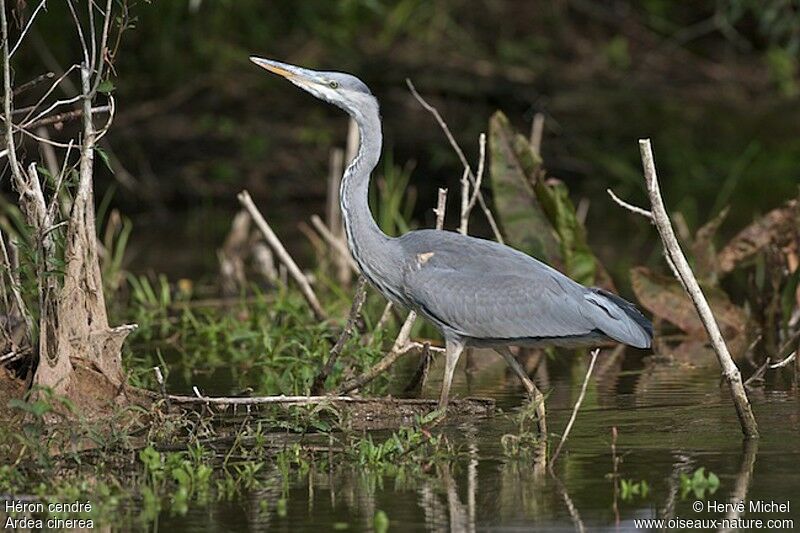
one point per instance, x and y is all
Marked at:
(661, 435)
(742, 484)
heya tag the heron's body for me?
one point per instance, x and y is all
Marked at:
(477, 292)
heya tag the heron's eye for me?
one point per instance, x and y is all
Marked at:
(333, 84)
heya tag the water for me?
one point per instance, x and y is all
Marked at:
(671, 419)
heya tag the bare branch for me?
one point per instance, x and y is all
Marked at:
(33, 83)
(785, 361)
(467, 209)
(398, 349)
(103, 46)
(338, 246)
(8, 95)
(79, 28)
(347, 332)
(632, 208)
(537, 131)
(441, 206)
(283, 255)
(27, 27)
(461, 157)
(49, 91)
(673, 250)
(576, 408)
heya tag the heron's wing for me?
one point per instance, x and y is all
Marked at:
(485, 290)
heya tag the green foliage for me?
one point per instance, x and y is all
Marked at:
(629, 489)
(394, 198)
(617, 53)
(699, 483)
(783, 70)
(408, 448)
(272, 344)
(537, 214)
(381, 522)
(525, 443)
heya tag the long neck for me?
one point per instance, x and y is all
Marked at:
(372, 249)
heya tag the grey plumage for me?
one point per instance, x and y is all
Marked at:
(477, 292)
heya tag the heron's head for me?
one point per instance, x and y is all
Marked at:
(338, 88)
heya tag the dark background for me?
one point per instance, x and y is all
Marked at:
(714, 84)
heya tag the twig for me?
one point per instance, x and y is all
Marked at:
(338, 246)
(27, 27)
(387, 361)
(463, 225)
(441, 206)
(576, 408)
(342, 262)
(460, 153)
(385, 316)
(283, 255)
(256, 400)
(421, 373)
(467, 200)
(33, 83)
(63, 117)
(355, 313)
(632, 208)
(758, 375)
(161, 384)
(784, 362)
(729, 370)
(537, 131)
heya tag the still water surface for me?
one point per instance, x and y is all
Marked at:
(671, 420)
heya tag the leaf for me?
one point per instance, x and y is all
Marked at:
(106, 86)
(525, 224)
(104, 156)
(579, 261)
(664, 297)
(705, 255)
(775, 227)
(537, 215)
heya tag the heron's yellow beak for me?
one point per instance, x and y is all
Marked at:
(273, 66)
(285, 70)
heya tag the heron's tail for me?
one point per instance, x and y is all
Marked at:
(619, 319)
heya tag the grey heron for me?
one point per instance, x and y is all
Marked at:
(476, 292)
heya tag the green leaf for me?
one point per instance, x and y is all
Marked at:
(537, 215)
(524, 222)
(106, 86)
(381, 522)
(104, 156)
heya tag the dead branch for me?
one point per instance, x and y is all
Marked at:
(343, 263)
(33, 83)
(537, 131)
(355, 313)
(673, 250)
(441, 206)
(420, 376)
(388, 360)
(576, 408)
(632, 208)
(283, 255)
(460, 153)
(63, 117)
(335, 243)
(467, 201)
(784, 362)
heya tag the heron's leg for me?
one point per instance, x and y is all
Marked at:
(535, 394)
(453, 349)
